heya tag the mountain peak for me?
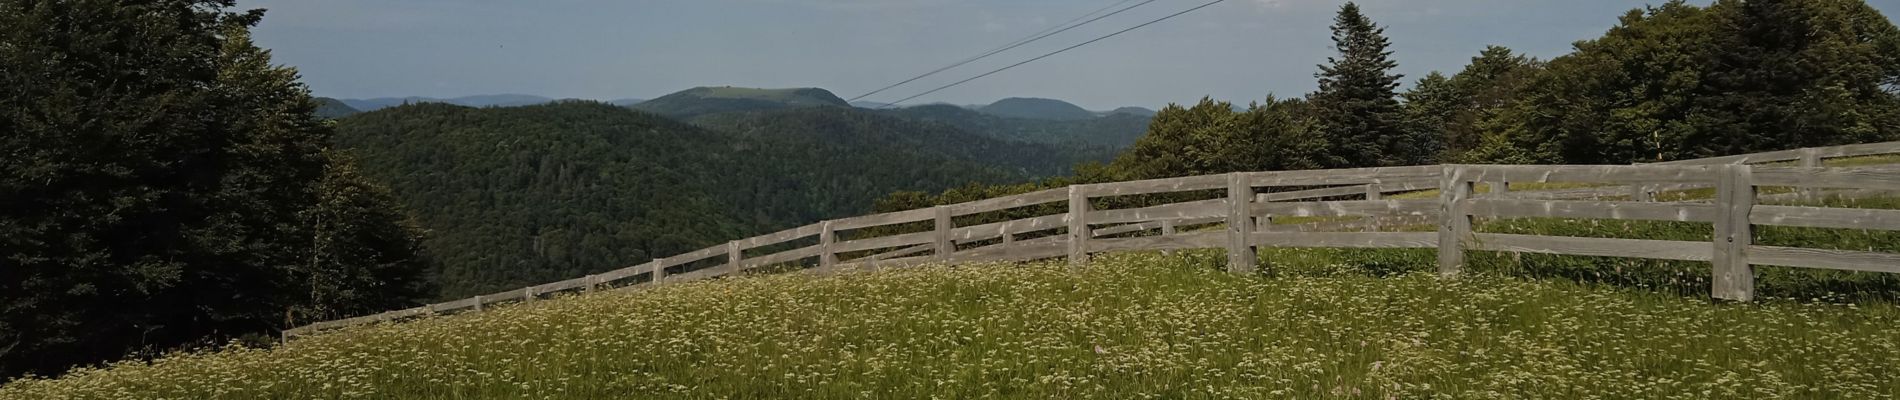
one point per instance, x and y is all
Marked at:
(1036, 108)
(718, 99)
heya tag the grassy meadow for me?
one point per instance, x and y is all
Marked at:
(1133, 325)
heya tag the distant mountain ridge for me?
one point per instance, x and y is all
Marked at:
(333, 108)
(486, 100)
(712, 100)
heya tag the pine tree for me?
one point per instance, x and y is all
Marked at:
(160, 184)
(1356, 105)
(1796, 73)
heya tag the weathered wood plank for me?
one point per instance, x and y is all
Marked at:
(695, 255)
(1824, 258)
(1127, 228)
(1190, 240)
(1858, 149)
(1511, 208)
(1454, 224)
(1347, 208)
(1241, 256)
(1624, 174)
(1164, 185)
(1368, 223)
(1182, 210)
(1388, 240)
(1022, 250)
(1734, 278)
(1847, 178)
(1826, 217)
(1017, 226)
(888, 218)
(557, 286)
(625, 273)
(944, 227)
(884, 241)
(827, 239)
(782, 257)
(1559, 194)
(1078, 226)
(455, 305)
(780, 236)
(1320, 193)
(1013, 201)
(1580, 246)
(1352, 176)
(1821, 193)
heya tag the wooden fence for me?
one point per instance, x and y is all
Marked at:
(1349, 204)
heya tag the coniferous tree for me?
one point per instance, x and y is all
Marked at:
(158, 185)
(1795, 73)
(1356, 105)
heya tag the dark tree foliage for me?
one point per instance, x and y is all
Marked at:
(1795, 73)
(1457, 112)
(1677, 81)
(1212, 138)
(1357, 106)
(524, 195)
(160, 186)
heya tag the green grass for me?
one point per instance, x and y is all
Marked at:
(1135, 325)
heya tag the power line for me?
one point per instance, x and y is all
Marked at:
(1018, 43)
(992, 72)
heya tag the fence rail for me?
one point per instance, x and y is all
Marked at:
(1352, 204)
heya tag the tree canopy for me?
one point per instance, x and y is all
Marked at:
(165, 185)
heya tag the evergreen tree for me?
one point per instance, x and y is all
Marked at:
(1456, 111)
(159, 179)
(1356, 106)
(1431, 107)
(1795, 73)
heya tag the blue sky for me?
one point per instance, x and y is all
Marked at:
(1239, 50)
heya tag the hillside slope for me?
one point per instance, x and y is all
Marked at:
(520, 195)
(1126, 326)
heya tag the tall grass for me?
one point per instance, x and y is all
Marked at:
(1136, 325)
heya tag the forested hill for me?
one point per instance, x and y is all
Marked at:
(520, 195)
(1112, 131)
(837, 133)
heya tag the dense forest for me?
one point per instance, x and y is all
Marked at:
(1668, 82)
(521, 195)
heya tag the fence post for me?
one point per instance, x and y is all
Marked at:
(733, 257)
(1454, 224)
(1811, 158)
(659, 270)
(944, 247)
(1372, 192)
(1734, 278)
(588, 283)
(1240, 254)
(527, 294)
(478, 303)
(826, 237)
(1078, 226)
(1167, 229)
